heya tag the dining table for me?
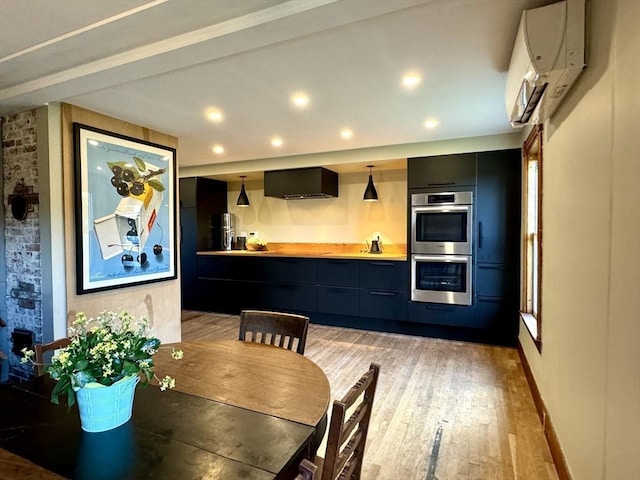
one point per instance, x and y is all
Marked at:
(242, 410)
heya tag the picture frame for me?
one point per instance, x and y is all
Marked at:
(125, 202)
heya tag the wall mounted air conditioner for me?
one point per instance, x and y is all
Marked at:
(547, 57)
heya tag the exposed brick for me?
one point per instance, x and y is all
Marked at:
(22, 238)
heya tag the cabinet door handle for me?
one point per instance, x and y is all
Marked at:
(381, 264)
(441, 184)
(491, 267)
(480, 235)
(437, 307)
(382, 294)
(337, 290)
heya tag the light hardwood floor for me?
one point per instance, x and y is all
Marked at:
(444, 410)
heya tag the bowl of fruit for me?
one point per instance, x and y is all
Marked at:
(255, 244)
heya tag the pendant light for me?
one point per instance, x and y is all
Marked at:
(243, 200)
(370, 194)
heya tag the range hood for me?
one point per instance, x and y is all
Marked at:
(299, 183)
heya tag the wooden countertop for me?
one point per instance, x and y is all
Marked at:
(353, 251)
(267, 253)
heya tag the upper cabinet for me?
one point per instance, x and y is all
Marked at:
(498, 206)
(442, 171)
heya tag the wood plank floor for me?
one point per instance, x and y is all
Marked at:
(444, 410)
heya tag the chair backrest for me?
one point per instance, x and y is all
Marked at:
(347, 436)
(40, 350)
(285, 330)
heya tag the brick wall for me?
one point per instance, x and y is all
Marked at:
(22, 237)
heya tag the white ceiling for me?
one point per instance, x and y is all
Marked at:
(163, 63)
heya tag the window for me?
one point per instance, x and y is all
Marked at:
(532, 234)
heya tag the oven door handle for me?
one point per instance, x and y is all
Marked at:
(440, 208)
(441, 258)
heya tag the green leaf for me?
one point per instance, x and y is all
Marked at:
(129, 367)
(140, 164)
(157, 184)
(119, 164)
(71, 396)
(61, 387)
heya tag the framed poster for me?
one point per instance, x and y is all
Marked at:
(125, 210)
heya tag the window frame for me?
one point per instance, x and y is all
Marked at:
(532, 314)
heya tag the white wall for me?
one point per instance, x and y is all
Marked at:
(589, 369)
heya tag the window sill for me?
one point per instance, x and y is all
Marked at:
(532, 326)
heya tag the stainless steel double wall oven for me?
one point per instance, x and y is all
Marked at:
(442, 247)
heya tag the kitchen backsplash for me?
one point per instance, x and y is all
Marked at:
(346, 219)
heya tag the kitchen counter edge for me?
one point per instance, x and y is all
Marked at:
(336, 255)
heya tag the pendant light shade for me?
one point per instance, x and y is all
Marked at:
(370, 194)
(243, 200)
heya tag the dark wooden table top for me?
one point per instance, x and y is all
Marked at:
(250, 375)
(201, 432)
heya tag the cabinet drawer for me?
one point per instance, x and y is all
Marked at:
(227, 296)
(498, 314)
(496, 280)
(229, 268)
(390, 304)
(337, 272)
(384, 275)
(290, 270)
(339, 300)
(440, 314)
(290, 297)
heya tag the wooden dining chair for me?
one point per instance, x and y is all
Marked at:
(347, 436)
(286, 330)
(306, 470)
(41, 348)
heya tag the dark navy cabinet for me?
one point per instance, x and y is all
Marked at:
(440, 314)
(495, 179)
(288, 270)
(339, 300)
(338, 282)
(442, 171)
(381, 274)
(383, 289)
(338, 272)
(346, 292)
(200, 199)
(498, 206)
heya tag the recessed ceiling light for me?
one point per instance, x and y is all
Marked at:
(411, 80)
(215, 115)
(218, 149)
(431, 123)
(276, 141)
(300, 99)
(346, 133)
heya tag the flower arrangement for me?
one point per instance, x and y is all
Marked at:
(104, 350)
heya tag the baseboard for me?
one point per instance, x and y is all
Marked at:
(562, 468)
